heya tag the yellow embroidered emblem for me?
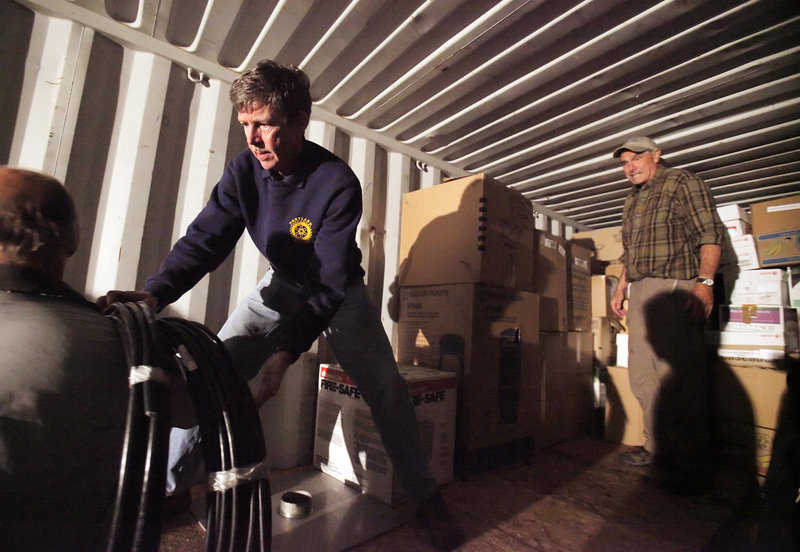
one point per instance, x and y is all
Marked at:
(300, 228)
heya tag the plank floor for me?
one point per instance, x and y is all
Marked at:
(576, 496)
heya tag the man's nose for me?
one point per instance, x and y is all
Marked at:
(252, 136)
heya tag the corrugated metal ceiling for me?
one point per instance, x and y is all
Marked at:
(536, 93)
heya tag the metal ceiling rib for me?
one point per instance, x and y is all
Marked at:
(536, 93)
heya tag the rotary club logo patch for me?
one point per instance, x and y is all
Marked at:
(300, 228)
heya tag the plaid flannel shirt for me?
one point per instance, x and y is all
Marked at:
(664, 223)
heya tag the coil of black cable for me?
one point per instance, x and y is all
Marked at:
(136, 521)
(239, 517)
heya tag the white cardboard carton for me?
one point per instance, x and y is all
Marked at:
(760, 287)
(754, 348)
(347, 445)
(746, 254)
(765, 318)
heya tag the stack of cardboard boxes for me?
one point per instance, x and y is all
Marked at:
(484, 294)
(757, 326)
(623, 416)
(562, 278)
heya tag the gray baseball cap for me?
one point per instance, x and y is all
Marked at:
(637, 144)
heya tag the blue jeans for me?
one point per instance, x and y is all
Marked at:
(362, 349)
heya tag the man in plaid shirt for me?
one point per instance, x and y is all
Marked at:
(672, 238)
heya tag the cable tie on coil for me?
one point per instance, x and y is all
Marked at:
(143, 372)
(228, 479)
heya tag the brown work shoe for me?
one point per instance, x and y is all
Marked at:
(444, 531)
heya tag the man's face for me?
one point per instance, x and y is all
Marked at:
(640, 167)
(276, 143)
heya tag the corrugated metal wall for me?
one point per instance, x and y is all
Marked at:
(139, 144)
(139, 141)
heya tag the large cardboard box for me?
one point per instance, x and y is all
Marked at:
(747, 409)
(624, 416)
(287, 418)
(347, 445)
(489, 336)
(776, 229)
(606, 243)
(567, 398)
(748, 394)
(550, 280)
(467, 230)
(579, 296)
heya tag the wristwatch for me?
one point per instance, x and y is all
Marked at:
(705, 281)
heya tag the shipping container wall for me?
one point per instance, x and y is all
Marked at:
(140, 141)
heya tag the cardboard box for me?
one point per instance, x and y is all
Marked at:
(736, 220)
(489, 336)
(579, 296)
(751, 349)
(606, 243)
(744, 249)
(747, 412)
(624, 416)
(748, 394)
(760, 287)
(614, 270)
(287, 419)
(347, 445)
(567, 398)
(605, 340)
(763, 318)
(794, 286)
(550, 280)
(746, 446)
(622, 350)
(603, 287)
(467, 230)
(776, 228)
(733, 212)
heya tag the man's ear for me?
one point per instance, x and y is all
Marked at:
(303, 119)
(72, 240)
(656, 155)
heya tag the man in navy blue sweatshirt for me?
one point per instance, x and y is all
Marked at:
(301, 206)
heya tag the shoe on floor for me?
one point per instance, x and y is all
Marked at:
(637, 456)
(444, 531)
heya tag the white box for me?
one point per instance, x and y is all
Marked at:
(733, 212)
(763, 318)
(745, 249)
(794, 285)
(759, 287)
(622, 350)
(287, 418)
(347, 445)
(756, 349)
(738, 227)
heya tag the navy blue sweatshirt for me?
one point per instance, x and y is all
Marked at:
(304, 224)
